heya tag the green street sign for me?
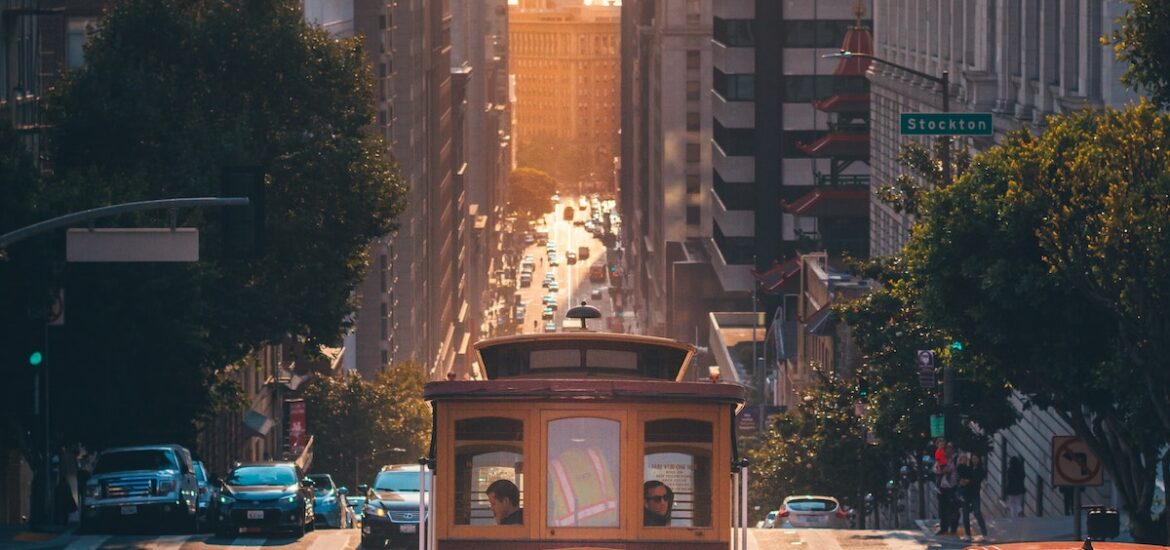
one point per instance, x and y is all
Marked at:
(946, 124)
(937, 425)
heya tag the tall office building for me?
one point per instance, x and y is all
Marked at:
(565, 62)
(787, 149)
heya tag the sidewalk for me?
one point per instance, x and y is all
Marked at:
(1017, 529)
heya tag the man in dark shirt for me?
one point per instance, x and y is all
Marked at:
(657, 503)
(504, 501)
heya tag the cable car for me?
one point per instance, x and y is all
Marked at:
(601, 439)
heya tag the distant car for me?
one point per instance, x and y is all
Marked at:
(553, 261)
(583, 252)
(554, 287)
(329, 508)
(548, 299)
(811, 511)
(529, 239)
(589, 226)
(208, 493)
(550, 327)
(391, 513)
(547, 314)
(583, 202)
(556, 197)
(595, 294)
(570, 258)
(266, 496)
(770, 520)
(525, 279)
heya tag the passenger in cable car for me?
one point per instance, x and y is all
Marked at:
(503, 499)
(658, 501)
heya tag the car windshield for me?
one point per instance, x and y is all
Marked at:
(200, 473)
(398, 481)
(811, 505)
(277, 476)
(126, 461)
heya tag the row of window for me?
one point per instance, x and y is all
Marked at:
(795, 33)
(795, 88)
(582, 456)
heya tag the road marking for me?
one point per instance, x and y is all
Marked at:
(249, 543)
(324, 541)
(172, 542)
(88, 542)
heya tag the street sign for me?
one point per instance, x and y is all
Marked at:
(926, 368)
(1074, 464)
(946, 124)
(132, 245)
(937, 426)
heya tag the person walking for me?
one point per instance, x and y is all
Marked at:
(971, 476)
(948, 484)
(1014, 487)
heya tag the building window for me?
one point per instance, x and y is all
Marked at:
(385, 328)
(806, 88)
(821, 33)
(692, 215)
(385, 358)
(737, 33)
(694, 153)
(76, 36)
(692, 121)
(693, 184)
(693, 58)
(694, 12)
(735, 142)
(692, 90)
(736, 87)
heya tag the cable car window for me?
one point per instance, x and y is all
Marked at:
(487, 449)
(556, 358)
(583, 472)
(611, 359)
(677, 455)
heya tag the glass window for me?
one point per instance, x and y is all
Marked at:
(487, 450)
(583, 472)
(677, 491)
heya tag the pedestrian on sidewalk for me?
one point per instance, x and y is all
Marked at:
(1014, 488)
(971, 476)
(948, 484)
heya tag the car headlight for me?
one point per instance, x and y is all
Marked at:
(375, 511)
(291, 499)
(165, 486)
(226, 500)
(93, 490)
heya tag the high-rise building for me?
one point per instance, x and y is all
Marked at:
(565, 62)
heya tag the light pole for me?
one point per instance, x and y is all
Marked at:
(945, 82)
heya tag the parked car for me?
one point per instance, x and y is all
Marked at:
(811, 511)
(391, 513)
(550, 327)
(146, 483)
(208, 494)
(266, 496)
(770, 520)
(570, 258)
(553, 286)
(595, 294)
(328, 507)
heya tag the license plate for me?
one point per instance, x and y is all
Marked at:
(129, 510)
(407, 528)
(255, 514)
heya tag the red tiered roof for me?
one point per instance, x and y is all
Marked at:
(822, 201)
(837, 145)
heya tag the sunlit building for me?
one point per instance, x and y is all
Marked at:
(565, 62)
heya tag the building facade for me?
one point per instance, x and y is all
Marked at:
(565, 62)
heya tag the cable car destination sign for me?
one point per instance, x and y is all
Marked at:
(946, 124)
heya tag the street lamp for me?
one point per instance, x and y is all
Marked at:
(945, 82)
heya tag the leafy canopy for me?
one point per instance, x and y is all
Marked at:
(1142, 40)
(530, 192)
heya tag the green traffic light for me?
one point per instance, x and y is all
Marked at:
(957, 345)
(36, 358)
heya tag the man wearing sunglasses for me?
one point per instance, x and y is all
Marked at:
(657, 502)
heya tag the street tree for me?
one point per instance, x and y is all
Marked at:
(820, 447)
(360, 425)
(530, 192)
(172, 93)
(1141, 40)
(1043, 258)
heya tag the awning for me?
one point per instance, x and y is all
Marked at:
(774, 279)
(845, 103)
(831, 202)
(838, 145)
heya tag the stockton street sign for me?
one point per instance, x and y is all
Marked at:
(946, 124)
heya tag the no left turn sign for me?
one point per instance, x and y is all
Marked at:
(1074, 464)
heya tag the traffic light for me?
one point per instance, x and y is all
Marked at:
(956, 346)
(243, 227)
(863, 389)
(36, 358)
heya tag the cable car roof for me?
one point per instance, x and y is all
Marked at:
(584, 355)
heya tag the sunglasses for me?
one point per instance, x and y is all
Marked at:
(657, 498)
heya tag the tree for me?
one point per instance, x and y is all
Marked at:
(530, 192)
(173, 92)
(1141, 40)
(359, 425)
(820, 448)
(1039, 258)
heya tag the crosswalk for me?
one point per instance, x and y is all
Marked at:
(317, 540)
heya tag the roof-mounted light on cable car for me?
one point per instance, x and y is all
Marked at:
(583, 312)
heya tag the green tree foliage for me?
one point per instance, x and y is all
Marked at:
(530, 193)
(358, 424)
(1047, 257)
(820, 448)
(1142, 40)
(568, 164)
(174, 91)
